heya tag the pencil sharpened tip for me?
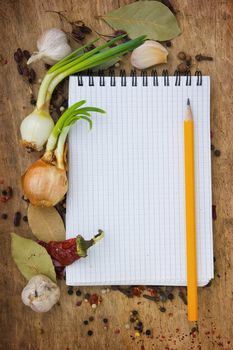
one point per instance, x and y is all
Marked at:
(188, 102)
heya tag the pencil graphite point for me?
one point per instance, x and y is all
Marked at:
(188, 102)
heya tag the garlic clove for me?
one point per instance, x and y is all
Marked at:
(52, 47)
(149, 54)
(40, 294)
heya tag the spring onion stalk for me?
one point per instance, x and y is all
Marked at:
(45, 182)
(37, 126)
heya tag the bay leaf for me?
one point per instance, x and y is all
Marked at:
(150, 18)
(46, 223)
(31, 258)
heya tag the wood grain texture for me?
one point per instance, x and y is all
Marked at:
(207, 28)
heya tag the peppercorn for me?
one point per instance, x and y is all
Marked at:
(217, 153)
(90, 333)
(33, 101)
(170, 296)
(105, 320)
(17, 218)
(162, 309)
(182, 67)
(26, 54)
(91, 318)
(4, 216)
(4, 193)
(168, 43)
(70, 290)
(134, 312)
(162, 296)
(25, 71)
(78, 292)
(25, 218)
(20, 69)
(132, 319)
(32, 76)
(181, 55)
(86, 322)
(87, 296)
(148, 332)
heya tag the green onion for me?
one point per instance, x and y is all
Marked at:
(36, 128)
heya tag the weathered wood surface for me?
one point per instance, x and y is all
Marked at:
(207, 28)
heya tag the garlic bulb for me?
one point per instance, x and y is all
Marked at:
(52, 46)
(35, 129)
(149, 54)
(40, 294)
(44, 184)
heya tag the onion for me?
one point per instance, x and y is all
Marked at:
(45, 181)
(44, 184)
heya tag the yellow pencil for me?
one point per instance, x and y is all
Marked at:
(190, 215)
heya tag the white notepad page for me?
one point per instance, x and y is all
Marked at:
(126, 177)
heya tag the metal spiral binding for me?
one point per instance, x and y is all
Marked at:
(144, 75)
(112, 77)
(155, 77)
(188, 78)
(133, 74)
(144, 78)
(198, 74)
(91, 79)
(178, 80)
(166, 77)
(123, 77)
(101, 77)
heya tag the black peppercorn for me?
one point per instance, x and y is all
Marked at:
(70, 290)
(4, 216)
(90, 333)
(85, 322)
(135, 312)
(17, 218)
(87, 296)
(148, 332)
(105, 320)
(78, 292)
(217, 153)
(162, 309)
(25, 218)
(4, 193)
(168, 43)
(170, 296)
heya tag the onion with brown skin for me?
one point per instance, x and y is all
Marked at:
(45, 182)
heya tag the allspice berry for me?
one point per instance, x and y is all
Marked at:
(182, 56)
(182, 67)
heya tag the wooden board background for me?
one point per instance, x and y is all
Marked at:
(207, 28)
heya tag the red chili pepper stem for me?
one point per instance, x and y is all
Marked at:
(83, 245)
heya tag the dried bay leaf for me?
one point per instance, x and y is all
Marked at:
(46, 224)
(150, 18)
(31, 258)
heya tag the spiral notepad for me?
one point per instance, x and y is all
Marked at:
(126, 176)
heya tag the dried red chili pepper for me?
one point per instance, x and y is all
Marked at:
(66, 252)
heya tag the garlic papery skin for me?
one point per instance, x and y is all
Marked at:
(44, 185)
(52, 47)
(148, 54)
(35, 129)
(40, 294)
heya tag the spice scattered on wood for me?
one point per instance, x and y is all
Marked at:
(201, 57)
(90, 333)
(4, 216)
(17, 218)
(25, 218)
(182, 56)
(91, 318)
(86, 322)
(162, 309)
(78, 293)
(217, 153)
(70, 290)
(214, 212)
